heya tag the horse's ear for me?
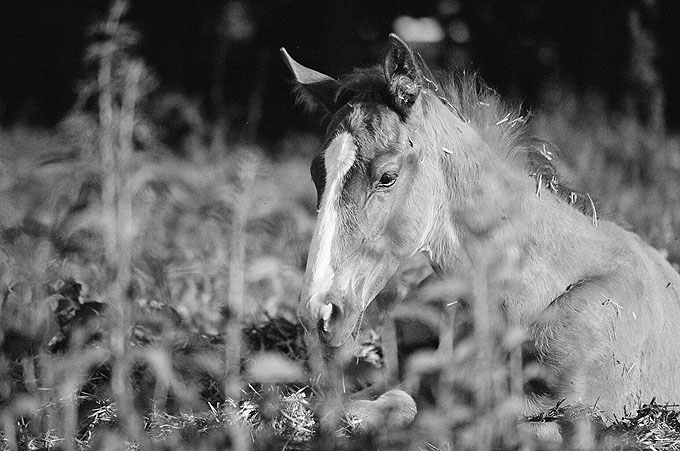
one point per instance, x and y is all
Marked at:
(404, 72)
(313, 88)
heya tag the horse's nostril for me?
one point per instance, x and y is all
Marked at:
(327, 314)
(330, 314)
(323, 335)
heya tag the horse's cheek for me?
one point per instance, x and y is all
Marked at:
(413, 212)
(398, 232)
(373, 217)
(383, 227)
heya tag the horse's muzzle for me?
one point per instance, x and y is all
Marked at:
(326, 324)
(326, 317)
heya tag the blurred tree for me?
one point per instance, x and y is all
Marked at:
(225, 51)
(666, 25)
(41, 51)
(645, 96)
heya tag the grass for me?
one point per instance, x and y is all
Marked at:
(148, 300)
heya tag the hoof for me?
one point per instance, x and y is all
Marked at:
(393, 409)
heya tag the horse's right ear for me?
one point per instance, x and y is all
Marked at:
(313, 88)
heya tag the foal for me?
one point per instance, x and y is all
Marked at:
(412, 164)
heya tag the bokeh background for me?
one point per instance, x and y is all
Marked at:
(225, 53)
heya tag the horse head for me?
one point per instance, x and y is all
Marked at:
(376, 182)
(408, 166)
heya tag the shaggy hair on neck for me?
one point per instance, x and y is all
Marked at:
(502, 125)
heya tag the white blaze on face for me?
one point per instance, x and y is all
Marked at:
(339, 158)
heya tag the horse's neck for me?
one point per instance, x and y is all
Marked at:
(506, 218)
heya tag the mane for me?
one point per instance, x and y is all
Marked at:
(502, 125)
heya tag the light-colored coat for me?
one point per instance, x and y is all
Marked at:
(413, 166)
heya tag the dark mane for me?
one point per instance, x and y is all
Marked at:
(364, 85)
(502, 124)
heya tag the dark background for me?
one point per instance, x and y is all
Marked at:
(225, 53)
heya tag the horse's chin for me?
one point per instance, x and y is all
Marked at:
(342, 333)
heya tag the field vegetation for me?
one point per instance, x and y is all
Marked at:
(149, 283)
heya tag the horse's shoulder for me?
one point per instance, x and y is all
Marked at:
(633, 254)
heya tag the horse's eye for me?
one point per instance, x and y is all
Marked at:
(387, 179)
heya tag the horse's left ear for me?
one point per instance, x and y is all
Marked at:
(314, 89)
(404, 72)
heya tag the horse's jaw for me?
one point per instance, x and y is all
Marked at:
(332, 317)
(334, 310)
(328, 318)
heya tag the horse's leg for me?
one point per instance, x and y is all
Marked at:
(394, 409)
(544, 432)
(387, 403)
(380, 406)
(402, 288)
(571, 347)
(379, 323)
(575, 433)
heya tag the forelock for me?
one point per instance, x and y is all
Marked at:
(364, 85)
